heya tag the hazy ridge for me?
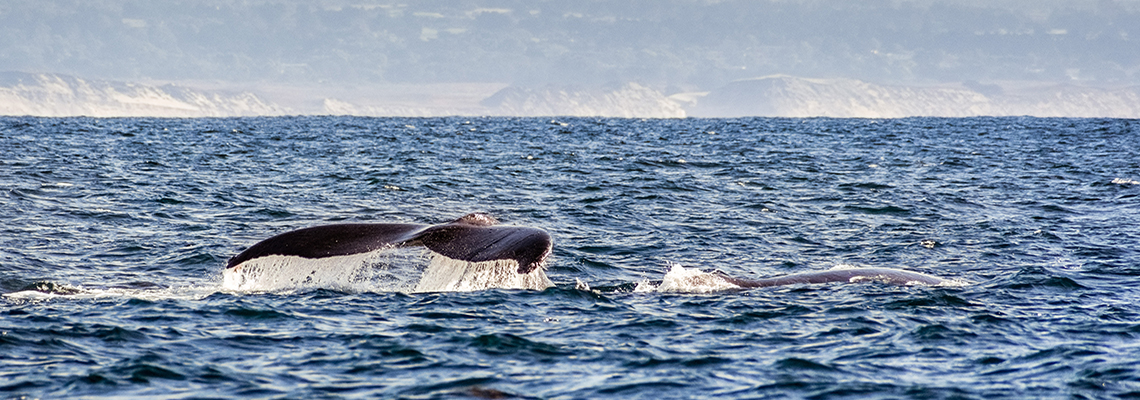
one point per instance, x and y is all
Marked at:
(54, 95)
(629, 101)
(784, 96)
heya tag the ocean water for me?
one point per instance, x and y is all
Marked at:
(116, 232)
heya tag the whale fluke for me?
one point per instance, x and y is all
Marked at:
(474, 237)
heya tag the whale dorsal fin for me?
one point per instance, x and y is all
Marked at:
(477, 219)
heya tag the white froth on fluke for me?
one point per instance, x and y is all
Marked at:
(388, 270)
(379, 271)
(445, 274)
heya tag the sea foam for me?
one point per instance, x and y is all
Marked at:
(687, 280)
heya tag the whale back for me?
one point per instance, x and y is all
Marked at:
(885, 275)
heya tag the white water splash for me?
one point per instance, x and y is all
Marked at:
(193, 292)
(388, 270)
(687, 280)
(379, 271)
(581, 285)
(445, 274)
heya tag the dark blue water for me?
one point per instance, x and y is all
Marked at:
(116, 231)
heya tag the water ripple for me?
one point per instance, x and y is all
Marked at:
(117, 229)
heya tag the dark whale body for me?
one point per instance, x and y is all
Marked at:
(474, 237)
(478, 237)
(884, 275)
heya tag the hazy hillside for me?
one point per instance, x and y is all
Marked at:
(60, 95)
(56, 95)
(785, 96)
(629, 101)
(777, 96)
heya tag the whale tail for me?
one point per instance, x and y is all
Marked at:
(474, 238)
